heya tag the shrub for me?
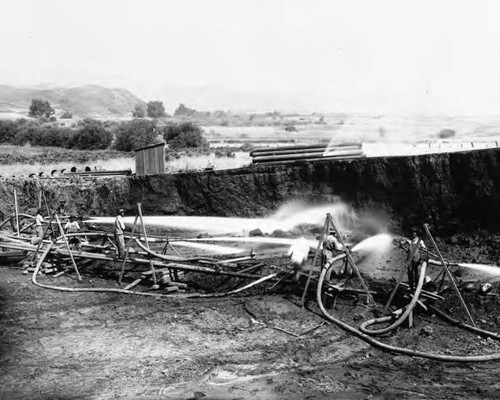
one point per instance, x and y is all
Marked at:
(136, 133)
(66, 115)
(446, 133)
(183, 111)
(155, 109)
(184, 135)
(8, 129)
(247, 146)
(91, 135)
(40, 108)
(139, 111)
(27, 132)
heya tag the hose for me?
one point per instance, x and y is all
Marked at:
(403, 317)
(471, 328)
(124, 291)
(394, 349)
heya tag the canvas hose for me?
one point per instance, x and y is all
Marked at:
(403, 317)
(394, 349)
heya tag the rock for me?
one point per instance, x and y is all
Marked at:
(427, 330)
(255, 232)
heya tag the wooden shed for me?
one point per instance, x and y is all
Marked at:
(150, 160)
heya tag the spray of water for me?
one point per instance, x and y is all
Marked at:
(378, 243)
(210, 247)
(286, 218)
(488, 269)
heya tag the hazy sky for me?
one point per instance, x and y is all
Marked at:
(413, 56)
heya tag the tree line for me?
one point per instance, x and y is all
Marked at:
(90, 134)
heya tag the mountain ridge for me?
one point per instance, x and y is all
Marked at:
(82, 101)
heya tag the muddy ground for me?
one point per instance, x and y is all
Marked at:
(57, 345)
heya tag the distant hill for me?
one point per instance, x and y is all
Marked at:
(85, 101)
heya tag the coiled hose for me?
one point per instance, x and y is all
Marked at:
(394, 349)
(403, 317)
(124, 291)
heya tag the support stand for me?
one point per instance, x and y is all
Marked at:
(139, 209)
(122, 272)
(329, 223)
(67, 247)
(318, 251)
(351, 261)
(450, 275)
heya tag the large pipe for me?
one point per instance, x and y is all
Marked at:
(311, 146)
(308, 155)
(97, 173)
(340, 158)
(300, 151)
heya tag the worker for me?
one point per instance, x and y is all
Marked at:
(72, 226)
(332, 248)
(418, 248)
(39, 221)
(298, 253)
(61, 209)
(119, 229)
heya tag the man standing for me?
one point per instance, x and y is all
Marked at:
(72, 226)
(119, 228)
(38, 223)
(332, 248)
(417, 247)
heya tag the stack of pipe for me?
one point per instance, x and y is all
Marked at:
(287, 154)
(95, 174)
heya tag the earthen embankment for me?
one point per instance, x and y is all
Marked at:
(454, 191)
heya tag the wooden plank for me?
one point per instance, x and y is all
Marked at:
(133, 284)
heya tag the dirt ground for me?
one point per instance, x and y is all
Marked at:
(56, 345)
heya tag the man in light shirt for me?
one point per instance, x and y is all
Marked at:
(39, 221)
(118, 230)
(72, 226)
(417, 246)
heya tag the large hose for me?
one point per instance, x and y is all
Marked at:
(125, 291)
(400, 350)
(468, 327)
(403, 317)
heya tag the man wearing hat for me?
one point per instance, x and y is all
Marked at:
(419, 250)
(72, 226)
(119, 229)
(331, 248)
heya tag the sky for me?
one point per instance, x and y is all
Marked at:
(379, 56)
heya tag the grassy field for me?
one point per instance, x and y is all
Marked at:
(380, 136)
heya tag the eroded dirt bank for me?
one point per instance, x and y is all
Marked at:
(454, 192)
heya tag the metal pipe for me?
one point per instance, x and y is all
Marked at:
(308, 155)
(300, 151)
(314, 159)
(295, 147)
